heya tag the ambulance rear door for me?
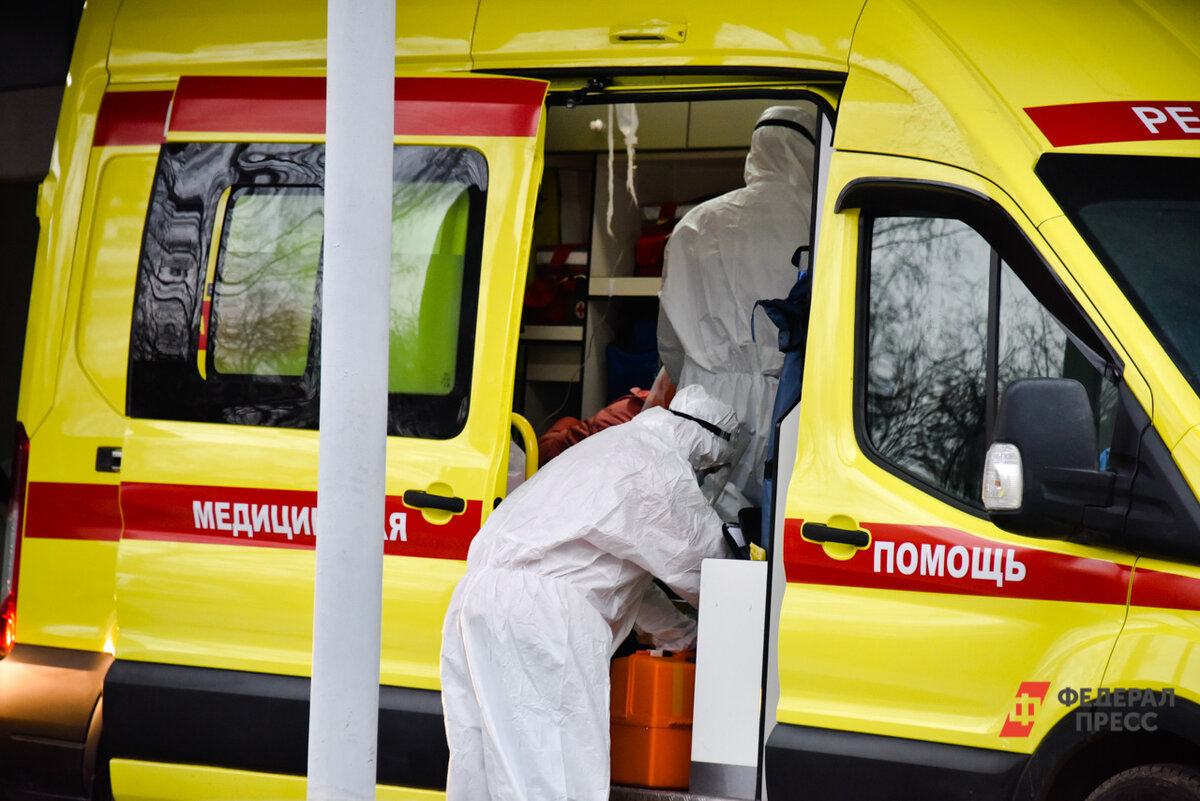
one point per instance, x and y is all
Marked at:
(219, 463)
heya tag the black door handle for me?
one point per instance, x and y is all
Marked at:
(819, 533)
(419, 499)
(108, 460)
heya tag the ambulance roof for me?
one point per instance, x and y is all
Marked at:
(951, 80)
(989, 87)
(940, 70)
(156, 40)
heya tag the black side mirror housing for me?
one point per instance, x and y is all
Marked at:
(1049, 422)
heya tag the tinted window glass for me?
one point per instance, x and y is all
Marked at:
(926, 347)
(429, 249)
(262, 306)
(1141, 216)
(227, 312)
(949, 326)
(1032, 344)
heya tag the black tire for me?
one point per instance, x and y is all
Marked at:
(1163, 782)
(101, 789)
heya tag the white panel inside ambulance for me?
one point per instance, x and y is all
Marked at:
(588, 354)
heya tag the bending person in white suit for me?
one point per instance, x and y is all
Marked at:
(556, 578)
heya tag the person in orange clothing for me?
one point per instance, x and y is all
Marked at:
(568, 431)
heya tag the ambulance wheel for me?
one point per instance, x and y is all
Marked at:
(101, 789)
(1163, 782)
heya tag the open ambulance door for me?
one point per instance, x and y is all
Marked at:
(603, 215)
(604, 212)
(737, 670)
(219, 461)
(784, 449)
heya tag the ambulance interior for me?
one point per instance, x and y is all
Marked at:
(591, 305)
(588, 336)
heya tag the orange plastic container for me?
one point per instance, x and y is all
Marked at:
(651, 717)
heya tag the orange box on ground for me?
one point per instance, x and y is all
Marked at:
(651, 719)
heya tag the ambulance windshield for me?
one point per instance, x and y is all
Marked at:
(1141, 217)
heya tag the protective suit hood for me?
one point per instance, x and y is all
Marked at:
(710, 427)
(781, 148)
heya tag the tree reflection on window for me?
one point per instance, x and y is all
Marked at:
(268, 274)
(926, 383)
(927, 401)
(226, 323)
(263, 307)
(429, 241)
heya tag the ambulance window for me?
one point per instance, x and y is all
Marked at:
(949, 325)
(226, 322)
(1141, 217)
(429, 250)
(926, 368)
(1032, 344)
(262, 306)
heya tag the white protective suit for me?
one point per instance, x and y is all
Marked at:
(723, 257)
(556, 578)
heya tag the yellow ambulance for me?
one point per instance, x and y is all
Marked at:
(983, 572)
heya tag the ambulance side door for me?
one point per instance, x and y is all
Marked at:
(919, 645)
(219, 465)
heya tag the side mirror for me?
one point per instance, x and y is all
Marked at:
(1042, 468)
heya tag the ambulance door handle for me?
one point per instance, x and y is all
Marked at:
(108, 460)
(419, 499)
(652, 31)
(819, 533)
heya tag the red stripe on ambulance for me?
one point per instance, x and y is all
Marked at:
(1117, 121)
(66, 511)
(424, 106)
(946, 560)
(491, 106)
(227, 516)
(1154, 588)
(132, 118)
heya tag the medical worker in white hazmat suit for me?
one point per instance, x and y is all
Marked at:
(724, 256)
(556, 578)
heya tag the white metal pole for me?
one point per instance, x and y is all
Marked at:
(343, 719)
